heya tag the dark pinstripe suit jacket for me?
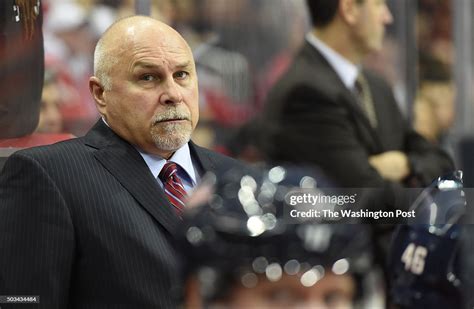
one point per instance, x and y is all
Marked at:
(83, 224)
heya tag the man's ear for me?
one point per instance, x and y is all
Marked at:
(97, 91)
(349, 11)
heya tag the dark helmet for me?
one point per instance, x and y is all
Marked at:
(424, 255)
(244, 231)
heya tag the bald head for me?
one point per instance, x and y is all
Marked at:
(122, 36)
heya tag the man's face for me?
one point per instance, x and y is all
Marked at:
(153, 100)
(50, 119)
(369, 29)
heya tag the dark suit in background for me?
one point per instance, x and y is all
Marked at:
(312, 117)
(313, 114)
(93, 230)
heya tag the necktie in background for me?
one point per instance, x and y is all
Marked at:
(365, 98)
(173, 186)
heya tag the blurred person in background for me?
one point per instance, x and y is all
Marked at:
(21, 66)
(434, 29)
(111, 10)
(50, 119)
(434, 108)
(161, 10)
(71, 40)
(249, 45)
(242, 250)
(329, 111)
(57, 90)
(189, 22)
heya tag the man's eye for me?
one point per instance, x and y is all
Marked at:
(181, 75)
(147, 77)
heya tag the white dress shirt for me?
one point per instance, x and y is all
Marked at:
(345, 69)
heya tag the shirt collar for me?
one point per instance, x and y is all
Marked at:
(346, 70)
(105, 121)
(182, 157)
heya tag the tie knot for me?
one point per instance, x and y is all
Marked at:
(173, 187)
(168, 171)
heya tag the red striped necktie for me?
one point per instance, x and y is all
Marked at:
(173, 186)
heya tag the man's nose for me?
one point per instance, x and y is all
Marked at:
(171, 93)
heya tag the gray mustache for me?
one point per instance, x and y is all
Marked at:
(172, 114)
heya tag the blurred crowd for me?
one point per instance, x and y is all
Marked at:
(241, 49)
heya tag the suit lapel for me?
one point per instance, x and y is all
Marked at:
(332, 80)
(128, 167)
(202, 159)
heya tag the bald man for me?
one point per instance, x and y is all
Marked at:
(87, 223)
